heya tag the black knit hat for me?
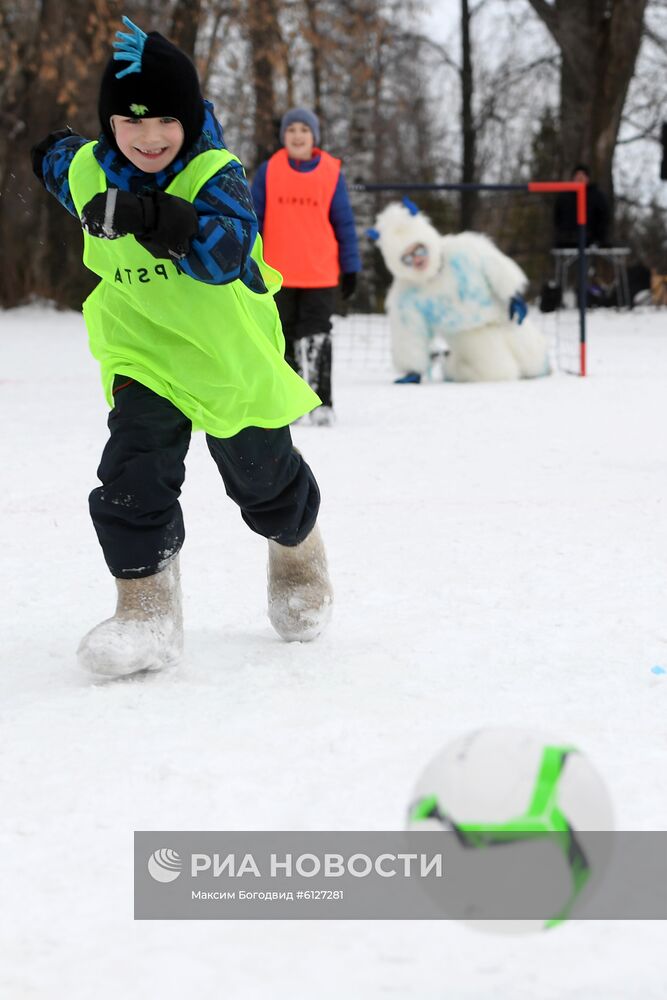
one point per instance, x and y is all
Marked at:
(149, 77)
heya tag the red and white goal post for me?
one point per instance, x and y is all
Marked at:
(531, 187)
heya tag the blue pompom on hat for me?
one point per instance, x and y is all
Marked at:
(304, 116)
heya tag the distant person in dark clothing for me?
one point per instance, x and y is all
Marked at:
(565, 213)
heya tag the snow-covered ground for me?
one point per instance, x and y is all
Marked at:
(499, 554)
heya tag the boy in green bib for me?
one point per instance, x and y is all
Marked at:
(186, 331)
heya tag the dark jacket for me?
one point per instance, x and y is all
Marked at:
(565, 218)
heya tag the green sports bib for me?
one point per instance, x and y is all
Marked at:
(215, 351)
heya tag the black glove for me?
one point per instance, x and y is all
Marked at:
(171, 225)
(163, 223)
(40, 149)
(348, 285)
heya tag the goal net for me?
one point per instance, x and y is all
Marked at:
(516, 216)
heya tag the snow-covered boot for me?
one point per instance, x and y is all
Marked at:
(146, 633)
(300, 594)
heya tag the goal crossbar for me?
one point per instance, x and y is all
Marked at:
(530, 187)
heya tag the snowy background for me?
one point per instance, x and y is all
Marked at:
(499, 554)
(500, 27)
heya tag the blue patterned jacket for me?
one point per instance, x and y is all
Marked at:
(220, 252)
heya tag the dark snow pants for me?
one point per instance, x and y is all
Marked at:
(136, 513)
(305, 314)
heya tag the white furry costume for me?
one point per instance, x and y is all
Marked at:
(461, 295)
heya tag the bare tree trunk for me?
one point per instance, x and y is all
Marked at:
(263, 29)
(315, 55)
(52, 57)
(468, 171)
(599, 42)
(185, 25)
(216, 12)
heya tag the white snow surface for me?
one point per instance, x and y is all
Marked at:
(499, 556)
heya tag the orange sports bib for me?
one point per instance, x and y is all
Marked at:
(299, 240)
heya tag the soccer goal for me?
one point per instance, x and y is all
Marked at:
(363, 339)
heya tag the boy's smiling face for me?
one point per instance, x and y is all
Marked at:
(149, 143)
(299, 141)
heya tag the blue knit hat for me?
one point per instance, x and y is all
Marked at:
(304, 116)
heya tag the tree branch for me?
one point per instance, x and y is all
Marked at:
(653, 36)
(441, 50)
(548, 14)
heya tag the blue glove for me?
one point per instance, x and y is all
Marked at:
(518, 308)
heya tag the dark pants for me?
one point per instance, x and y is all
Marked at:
(136, 512)
(305, 314)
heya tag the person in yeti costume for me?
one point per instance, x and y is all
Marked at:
(460, 288)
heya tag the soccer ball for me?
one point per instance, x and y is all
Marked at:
(518, 809)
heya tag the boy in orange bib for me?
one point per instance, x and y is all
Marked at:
(306, 220)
